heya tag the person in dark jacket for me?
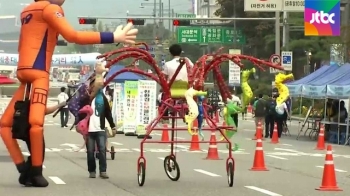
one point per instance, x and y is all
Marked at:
(270, 116)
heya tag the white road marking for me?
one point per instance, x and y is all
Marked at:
(286, 144)
(44, 167)
(180, 146)
(26, 153)
(338, 170)
(266, 192)
(206, 173)
(161, 158)
(179, 138)
(117, 143)
(288, 150)
(276, 157)
(56, 180)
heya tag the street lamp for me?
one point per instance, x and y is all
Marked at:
(308, 61)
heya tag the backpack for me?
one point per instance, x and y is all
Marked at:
(260, 108)
(272, 107)
(77, 102)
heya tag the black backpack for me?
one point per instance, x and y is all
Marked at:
(272, 107)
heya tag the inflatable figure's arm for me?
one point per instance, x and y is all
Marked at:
(50, 110)
(54, 16)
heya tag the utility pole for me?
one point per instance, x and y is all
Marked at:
(285, 34)
(234, 25)
(277, 33)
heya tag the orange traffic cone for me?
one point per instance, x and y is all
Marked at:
(320, 142)
(259, 161)
(195, 126)
(329, 182)
(194, 143)
(274, 139)
(213, 153)
(258, 131)
(165, 134)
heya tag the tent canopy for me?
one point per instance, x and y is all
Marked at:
(124, 76)
(310, 77)
(332, 77)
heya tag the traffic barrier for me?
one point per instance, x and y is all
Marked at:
(329, 181)
(259, 161)
(165, 134)
(213, 153)
(274, 139)
(258, 131)
(320, 143)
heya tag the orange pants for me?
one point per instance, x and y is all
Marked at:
(38, 99)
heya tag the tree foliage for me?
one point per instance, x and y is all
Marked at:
(261, 38)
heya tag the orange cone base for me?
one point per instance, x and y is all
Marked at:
(195, 148)
(212, 158)
(259, 169)
(274, 142)
(320, 148)
(335, 188)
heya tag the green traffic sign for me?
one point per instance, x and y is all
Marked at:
(203, 35)
(186, 15)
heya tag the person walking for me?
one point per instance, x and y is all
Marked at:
(270, 116)
(97, 136)
(235, 99)
(281, 115)
(260, 107)
(64, 112)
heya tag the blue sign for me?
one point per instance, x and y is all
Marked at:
(287, 60)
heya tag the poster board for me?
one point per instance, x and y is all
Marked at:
(130, 107)
(118, 104)
(147, 102)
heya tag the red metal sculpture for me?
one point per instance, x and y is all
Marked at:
(196, 77)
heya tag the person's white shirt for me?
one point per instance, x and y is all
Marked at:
(282, 108)
(62, 97)
(235, 100)
(171, 66)
(94, 122)
(160, 97)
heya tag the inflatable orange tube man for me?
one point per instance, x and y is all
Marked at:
(42, 22)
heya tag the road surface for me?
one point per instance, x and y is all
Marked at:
(295, 168)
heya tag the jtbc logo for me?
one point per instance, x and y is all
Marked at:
(322, 18)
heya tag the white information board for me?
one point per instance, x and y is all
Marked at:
(118, 103)
(147, 101)
(234, 75)
(263, 5)
(293, 5)
(130, 106)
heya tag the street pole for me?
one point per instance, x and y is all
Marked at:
(155, 20)
(169, 14)
(285, 36)
(234, 26)
(278, 34)
(208, 10)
